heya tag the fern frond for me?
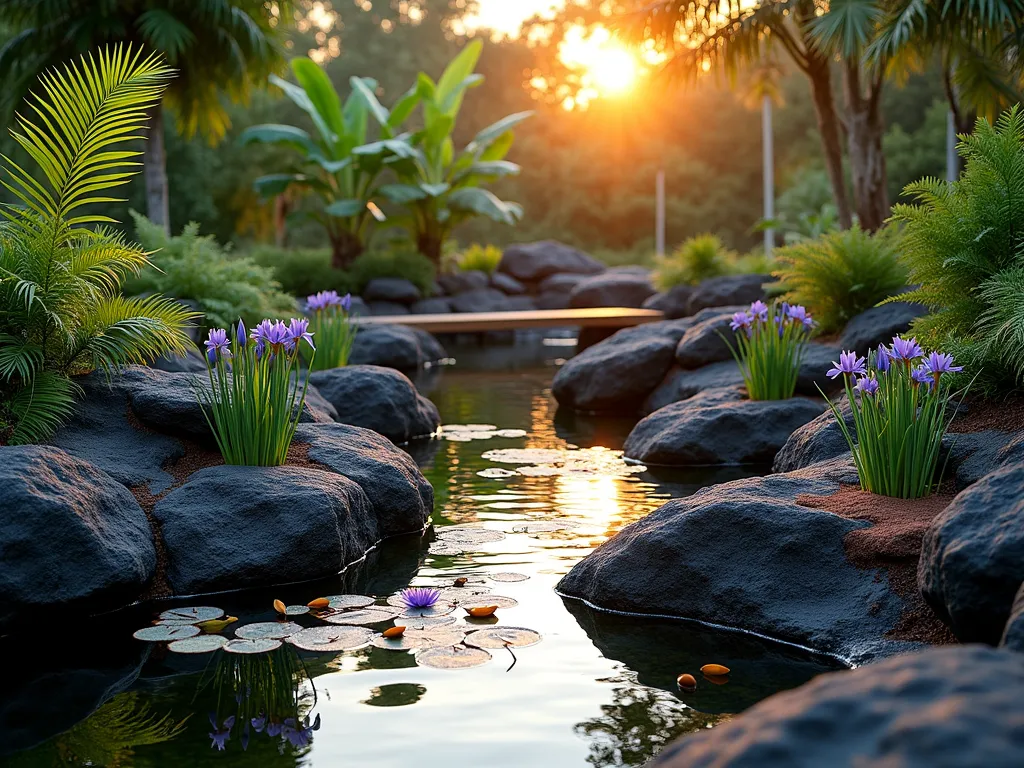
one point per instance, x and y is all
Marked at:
(40, 406)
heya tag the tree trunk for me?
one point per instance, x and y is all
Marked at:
(829, 129)
(431, 247)
(865, 128)
(155, 171)
(963, 117)
(282, 207)
(345, 247)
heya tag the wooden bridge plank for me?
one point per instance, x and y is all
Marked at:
(474, 322)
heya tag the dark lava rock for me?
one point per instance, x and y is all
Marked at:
(532, 262)
(818, 440)
(520, 304)
(454, 283)
(480, 300)
(1013, 634)
(232, 527)
(401, 496)
(814, 365)
(507, 284)
(396, 289)
(678, 384)
(560, 283)
(705, 342)
(381, 399)
(359, 307)
(973, 455)
(433, 306)
(614, 288)
(395, 346)
(192, 362)
(745, 555)
(72, 539)
(941, 707)
(387, 308)
(553, 300)
(972, 558)
(675, 302)
(879, 324)
(718, 427)
(727, 291)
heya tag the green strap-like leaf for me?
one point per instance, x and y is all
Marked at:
(489, 134)
(485, 203)
(400, 194)
(345, 209)
(273, 133)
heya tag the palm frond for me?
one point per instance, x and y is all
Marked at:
(40, 406)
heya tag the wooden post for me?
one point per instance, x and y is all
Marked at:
(659, 215)
(768, 171)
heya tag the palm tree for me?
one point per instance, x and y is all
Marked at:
(218, 47)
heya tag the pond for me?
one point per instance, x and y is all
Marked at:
(598, 690)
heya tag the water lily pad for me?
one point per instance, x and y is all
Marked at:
(468, 428)
(525, 455)
(413, 639)
(192, 614)
(458, 437)
(257, 645)
(423, 622)
(452, 657)
(343, 602)
(500, 637)
(162, 633)
(296, 610)
(461, 536)
(497, 473)
(544, 526)
(333, 639)
(458, 594)
(272, 630)
(444, 549)
(376, 614)
(481, 600)
(511, 433)
(438, 609)
(198, 644)
(507, 576)
(551, 462)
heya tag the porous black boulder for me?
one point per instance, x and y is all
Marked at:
(396, 289)
(614, 288)
(675, 302)
(507, 284)
(381, 308)
(560, 283)
(232, 527)
(72, 539)
(480, 300)
(381, 399)
(436, 305)
(532, 262)
(958, 706)
(708, 341)
(818, 440)
(718, 426)
(454, 283)
(878, 325)
(972, 557)
(395, 346)
(727, 291)
(973, 455)
(1013, 633)
(679, 384)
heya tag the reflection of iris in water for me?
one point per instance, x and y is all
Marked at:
(395, 695)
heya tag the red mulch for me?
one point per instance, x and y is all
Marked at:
(892, 543)
(1005, 415)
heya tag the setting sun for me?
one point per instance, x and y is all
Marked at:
(606, 67)
(615, 71)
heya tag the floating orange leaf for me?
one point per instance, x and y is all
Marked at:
(687, 681)
(319, 604)
(481, 611)
(715, 670)
(280, 607)
(394, 632)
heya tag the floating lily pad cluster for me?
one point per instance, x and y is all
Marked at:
(464, 433)
(460, 539)
(556, 462)
(423, 621)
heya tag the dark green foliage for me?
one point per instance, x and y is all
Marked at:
(301, 271)
(397, 260)
(195, 267)
(964, 247)
(697, 259)
(841, 274)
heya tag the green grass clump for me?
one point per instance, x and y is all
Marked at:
(964, 247)
(482, 258)
(697, 259)
(841, 274)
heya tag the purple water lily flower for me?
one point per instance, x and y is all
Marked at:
(759, 311)
(324, 299)
(866, 386)
(921, 375)
(848, 365)
(882, 359)
(938, 363)
(217, 342)
(799, 314)
(298, 330)
(741, 320)
(905, 349)
(419, 597)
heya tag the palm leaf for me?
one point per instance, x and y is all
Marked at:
(40, 406)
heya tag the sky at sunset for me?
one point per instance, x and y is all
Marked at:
(505, 16)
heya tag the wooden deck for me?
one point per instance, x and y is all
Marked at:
(475, 322)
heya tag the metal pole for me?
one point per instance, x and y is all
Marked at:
(659, 215)
(768, 171)
(952, 162)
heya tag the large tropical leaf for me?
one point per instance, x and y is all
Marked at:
(485, 203)
(286, 135)
(495, 131)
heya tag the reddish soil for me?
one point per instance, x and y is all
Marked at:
(892, 543)
(1005, 415)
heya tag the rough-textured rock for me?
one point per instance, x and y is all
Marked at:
(480, 300)
(401, 496)
(553, 300)
(727, 291)
(560, 283)
(192, 362)
(815, 363)
(818, 440)
(520, 304)
(381, 399)
(972, 558)
(455, 283)
(437, 305)
(387, 308)
(678, 384)
(705, 342)
(396, 289)
(614, 288)
(507, 284)
(975, 454)
(359, 307)
(878, 325)
(744, 554)
(72, 539)
(232, 527)
(395, 346)
(531, 262)
(940, 707)
(1013, 633)
(718, 427)
(675, 302)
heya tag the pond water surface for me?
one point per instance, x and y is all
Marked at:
(598, 690)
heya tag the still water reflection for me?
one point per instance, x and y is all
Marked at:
(599, 690)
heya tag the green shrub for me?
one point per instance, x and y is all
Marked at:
(695, 260)
(964, 246)
(195, 267)
(301, 271)
(841, 274)
(396, 260)
(61, 310)
(482, 258)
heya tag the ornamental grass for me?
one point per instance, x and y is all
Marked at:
(334, 329)
(770, 344)
(255, 397)
(898, 396)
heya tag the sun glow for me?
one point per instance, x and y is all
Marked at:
(605, 65)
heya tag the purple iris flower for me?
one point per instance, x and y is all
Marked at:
(419, 597)
(905, 349)
(799, 314)
(882, 359)
(325, 299)
(848, 365)
(241, 335)
(259, 723)
(300, 737)
(217, 342)
(346, 302)
(866, 386)
(938, 363)
(244, 738)
(298, 330)
(274, 729)
(921, 375)
(271, 333)
(219, 738)
(759, 311)
(741, 320)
